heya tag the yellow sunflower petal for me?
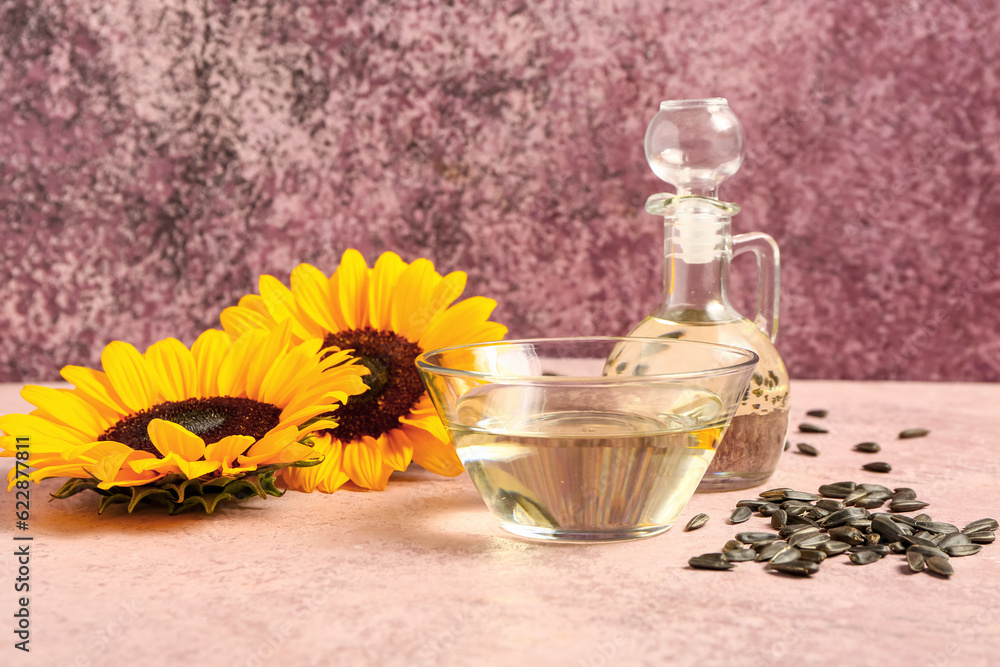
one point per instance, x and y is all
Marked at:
(209, 350)
(129, 375)
(415, 287)
(463, 323)
(95, 451)
(382, 283)
(397, 450)
(95, 388)
(312, 296)
(110, 472)
(236, 364)
(446, 291)
(266, 353)
(273, 442)
(435, 455)
(237, 320)
(65, 407)
(41, 432)
(170, 438)
(326, 477)
(174, 367)
(280, 302)
(255, 302)
(362, 461)
(69, 470)
(226, 450)
(352, 286)
(195, 469)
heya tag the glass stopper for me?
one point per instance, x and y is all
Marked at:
(695, 145)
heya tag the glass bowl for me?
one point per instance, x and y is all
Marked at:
(586, 439)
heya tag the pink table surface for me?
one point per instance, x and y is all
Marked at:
(421, 574)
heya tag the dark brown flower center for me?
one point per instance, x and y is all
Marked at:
(394, 385)
(211, 418)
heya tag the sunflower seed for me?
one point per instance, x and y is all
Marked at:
(774, 494)
(906, 505)
(939, 566)
(981, 524)
(816, 514)
(878, 466)
(860, 524)
(882, 550)
(767, 509)
(953, 539)
(837, 490)
(913, 433)
(927, 552)
(818, 414)
(868, 447)
(863, 557)
(798, 568)
(903, 519)
(807, 449)
(750, 538)
(897, 547)
(854, 496)
(778, 519)
(847, 534)
(887, 528)
(871, 501)
(982, 536)
(937, 526)
(795, 510)
(752, 504)
(913, 540)
(916, 561)
(834, 547)
(731, 545)
(811, 428)
(740, 514)
(697, 521)
(803, 535)
(829, 505)
(871, 488)
(787, 531)
(711, 562)
(841, 517)
(795, 519)
(813, 555)
(786, 555)
(904, 493)
(922, 517)
(792, 504)
(813, 542)
(770, 551)
(872, 538)
(739, 555)
(963, 549)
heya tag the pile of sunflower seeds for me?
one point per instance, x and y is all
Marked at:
(813, 527)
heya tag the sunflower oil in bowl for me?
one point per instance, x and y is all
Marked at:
(613, 473)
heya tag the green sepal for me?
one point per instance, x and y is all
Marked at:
(179, 495)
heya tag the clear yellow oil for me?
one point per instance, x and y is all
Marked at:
(587, 475)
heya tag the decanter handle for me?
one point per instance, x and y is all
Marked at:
(768, 278)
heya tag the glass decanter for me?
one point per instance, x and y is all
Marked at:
(695, 145)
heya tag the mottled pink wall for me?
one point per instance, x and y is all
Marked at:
(156, 156)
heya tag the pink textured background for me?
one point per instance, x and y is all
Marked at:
(155, 157)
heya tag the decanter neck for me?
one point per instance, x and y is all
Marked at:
(698, 249)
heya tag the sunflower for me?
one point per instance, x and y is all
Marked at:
(385, 316)
(183, 427)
